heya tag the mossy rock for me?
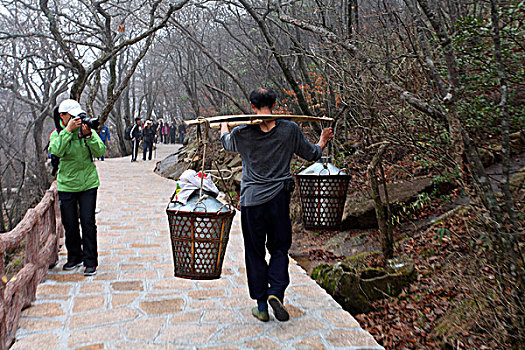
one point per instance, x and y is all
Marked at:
(355, 289)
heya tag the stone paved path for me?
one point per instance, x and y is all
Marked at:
(134, 302)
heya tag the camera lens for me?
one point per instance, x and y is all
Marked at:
(93, 123)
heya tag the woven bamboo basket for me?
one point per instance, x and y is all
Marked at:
(322, 190)
(199, 238)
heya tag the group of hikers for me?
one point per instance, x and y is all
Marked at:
(266, 150)
(148, 133)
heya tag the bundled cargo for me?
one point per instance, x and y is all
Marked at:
(199, 227)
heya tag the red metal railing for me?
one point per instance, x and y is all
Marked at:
(41, 229)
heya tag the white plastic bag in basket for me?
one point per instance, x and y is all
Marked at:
(190, 181)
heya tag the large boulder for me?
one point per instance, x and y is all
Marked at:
(355, 289)
(359, 212)
(170, 167)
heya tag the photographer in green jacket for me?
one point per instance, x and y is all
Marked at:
(77, 179)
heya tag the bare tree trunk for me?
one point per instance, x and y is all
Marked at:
(303, 105)
(382, 205)
(517, 293)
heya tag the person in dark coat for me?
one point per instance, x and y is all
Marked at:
(173, 132)
(182, 132)
(134, 134)
(148, 138)
(105, 136)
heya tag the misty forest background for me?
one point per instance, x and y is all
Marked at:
(417, 87)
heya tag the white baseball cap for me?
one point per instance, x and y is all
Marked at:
(70, 106)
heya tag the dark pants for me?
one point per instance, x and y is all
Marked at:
(267, 225)
(146, 146)
(73, 204)
(135, 150)
(181, 138)
(105, 144)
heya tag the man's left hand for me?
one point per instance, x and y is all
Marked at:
(326, 135)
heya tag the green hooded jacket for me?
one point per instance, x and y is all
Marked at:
(76, 171)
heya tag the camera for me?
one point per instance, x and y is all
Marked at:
(93, 123)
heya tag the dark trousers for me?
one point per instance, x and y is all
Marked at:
(267, 225)
(135, 150)
(145, 147)
(73, 205)
(105, 144)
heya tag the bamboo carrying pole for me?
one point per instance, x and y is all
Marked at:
(241, 119)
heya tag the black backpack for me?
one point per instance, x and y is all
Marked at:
(55, 160)
(127, 132)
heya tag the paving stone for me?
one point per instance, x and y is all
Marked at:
(46, 341)
(222, 316)
(143, 258)
(294, 311)
(102, 318)
(123, 299)
(263, 343)
(304, 291)
(237, 332)
(141, 275)
(47, 289)
(144, 329)
(138, 245)
(160, 307)
(188, 334)
(127, 286)
(44, 310)
(342, 338)
(85, 304)
(67, 277)
(128, 345)
(295, 328)
(339, 318)
(91, 288)
(235, 301)
(132, 267)
(33, 325)
(203, 304)
(99, 346)
(109, 276)
(186, 317)
(206, 293)
(310, 343)
(99, 334)
(213, 284)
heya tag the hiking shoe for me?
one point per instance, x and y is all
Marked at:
(90, 271)
(279, 311)
(260, 315)
(70, 265)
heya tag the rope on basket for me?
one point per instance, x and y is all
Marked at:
(204, 142)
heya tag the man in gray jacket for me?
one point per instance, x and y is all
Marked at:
(266, 150)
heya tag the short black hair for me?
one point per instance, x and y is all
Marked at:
(263, 97)
(137, 119)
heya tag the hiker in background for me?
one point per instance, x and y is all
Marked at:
(182, 132)
(105, 136)
(148, 137)
(77, 180)
(173, 132)
(165, 132)
(160, 125)
(135, 138)
(266, 150)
